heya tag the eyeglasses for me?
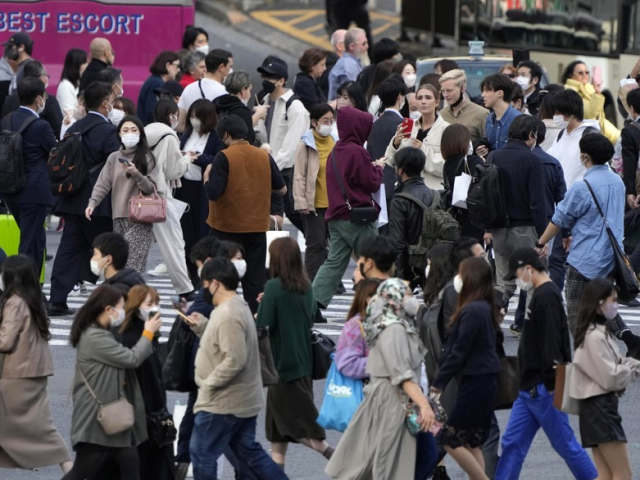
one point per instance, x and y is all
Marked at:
(586, 72)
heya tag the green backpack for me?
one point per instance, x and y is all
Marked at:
(438, 226)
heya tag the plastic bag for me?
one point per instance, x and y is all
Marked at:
(342, 397)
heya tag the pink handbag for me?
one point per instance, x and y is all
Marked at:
(151, 209)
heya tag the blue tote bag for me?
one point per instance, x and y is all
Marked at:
(342, 397)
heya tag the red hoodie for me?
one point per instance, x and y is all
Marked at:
(360, 177)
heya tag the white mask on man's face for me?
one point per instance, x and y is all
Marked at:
(560, 121)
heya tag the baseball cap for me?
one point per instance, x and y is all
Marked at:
(521, 258)
(171, 87)
(274, 67)
(19, 38)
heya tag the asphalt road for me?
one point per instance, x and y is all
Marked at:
(302, 463)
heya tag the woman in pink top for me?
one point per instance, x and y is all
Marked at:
(351, 352)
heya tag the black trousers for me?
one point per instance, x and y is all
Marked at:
(255, 247)
(293, 216)
(90, 460)
(30, 218)
(346, 11)
(74, 254)
(316, 235)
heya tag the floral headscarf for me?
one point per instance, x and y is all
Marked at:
(386, 308)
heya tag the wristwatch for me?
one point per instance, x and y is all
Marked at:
(540, 245)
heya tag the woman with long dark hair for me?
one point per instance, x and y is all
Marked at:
(143, 303)
(380, 74)
(28, 437)
(104, 374)
(201, 143)
(128, 172)
(288, 309)
(67, 94)
(470, 352)
(600, 376)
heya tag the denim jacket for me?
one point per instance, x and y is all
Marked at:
(497, 131)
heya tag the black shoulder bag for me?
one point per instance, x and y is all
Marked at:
(623, 273)
(360, 215)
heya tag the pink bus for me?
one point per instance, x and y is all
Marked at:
(137, 29)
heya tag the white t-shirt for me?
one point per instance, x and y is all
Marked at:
(195, 143)
(211, 88)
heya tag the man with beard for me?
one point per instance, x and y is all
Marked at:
(350, 65)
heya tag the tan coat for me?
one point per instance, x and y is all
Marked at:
(27, 354)
(599, 367)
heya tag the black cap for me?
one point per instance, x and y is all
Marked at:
(274, 67)
(19, 38)
(171, 87)
(521, 258)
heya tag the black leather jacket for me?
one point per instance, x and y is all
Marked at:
(405, 221)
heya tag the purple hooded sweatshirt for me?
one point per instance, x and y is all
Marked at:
(360, 177)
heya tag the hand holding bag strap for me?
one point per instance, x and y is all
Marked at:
(340, 184)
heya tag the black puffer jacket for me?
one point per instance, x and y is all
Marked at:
(232, 105)
(124, 280)
(405, 221)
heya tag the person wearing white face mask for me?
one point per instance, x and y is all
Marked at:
(310, 196)
(544, 343)
(104, 373)
(109, 260)
(600, 376)
(130, 171)
(426, 134)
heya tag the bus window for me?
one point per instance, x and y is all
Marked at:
(138, 30)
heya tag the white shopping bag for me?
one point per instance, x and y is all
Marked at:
(176, 207)
(461, 190)
(271, 236)
(380, 197)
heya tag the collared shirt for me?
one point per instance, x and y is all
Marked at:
(99, 114)
(497, 131)
(394, 111)
(591, 251)
(470, 115)
(30, 111)
(347, 68)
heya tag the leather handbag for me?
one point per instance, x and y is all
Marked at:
(508, 383)
(267, 365)
(114, 417)
(321, 347)
(359, 215)
(623, 274)
(562, 399)
(148, 210)
(161, 429)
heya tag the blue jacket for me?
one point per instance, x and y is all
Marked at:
(147, 99)
(37, 141)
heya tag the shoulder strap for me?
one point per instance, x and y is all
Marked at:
(560, 135)
(636, 125)
(408, 196)
(6, 122)
(161, 138)
(26, 123)
(593, 195)
(93, 394)
(292, 99)
(200, 87)
(340, 184)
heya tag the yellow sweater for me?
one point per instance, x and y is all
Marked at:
(324, 146)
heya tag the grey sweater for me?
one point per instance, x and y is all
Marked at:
(114, 178)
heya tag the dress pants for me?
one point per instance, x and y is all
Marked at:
(316, 235)
(293, 216)
(30, 218)
(255, 247)
(172, 248)
(74, 254)
(346, 11)
(505, 242)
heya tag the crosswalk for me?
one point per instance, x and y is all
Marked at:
(335, 314)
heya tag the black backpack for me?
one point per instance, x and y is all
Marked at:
(438, 226)
(486, 200)
(12, 176)
(67, 168)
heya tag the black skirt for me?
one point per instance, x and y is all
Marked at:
(600, 421)
(291, 413)
(470, 419)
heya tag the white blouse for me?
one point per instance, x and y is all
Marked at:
(67, 96)
(195, 143)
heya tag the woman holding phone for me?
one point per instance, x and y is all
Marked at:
(143, 303)
(128, 172)
(424, 133)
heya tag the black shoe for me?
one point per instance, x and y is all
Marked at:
(631, 304)
(59, 310)
(515, 329)
(48, 257)
(319, 317)
(341, 289)
(441, 474)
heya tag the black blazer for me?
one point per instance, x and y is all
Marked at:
(630, 139)
(323, 81)
(99, 141)
(90, 74)
(308, 91)
(37, 141)
(52, 112)
(383, 130)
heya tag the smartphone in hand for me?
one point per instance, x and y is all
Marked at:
(407, 126)
(124, 161)
(597, 75)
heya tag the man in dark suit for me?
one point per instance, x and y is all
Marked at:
(392, 97)
(29, 206)
(99, 140)
(102, 56)
(630, 138)
(52, 112)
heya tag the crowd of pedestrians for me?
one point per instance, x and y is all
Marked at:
(368, 163)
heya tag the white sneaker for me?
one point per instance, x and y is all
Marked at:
(159, 270)
(78, 289)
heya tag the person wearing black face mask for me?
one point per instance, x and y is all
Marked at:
(377, 258)
(459, 108)
(18, 49)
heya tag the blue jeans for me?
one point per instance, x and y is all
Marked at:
(213, 433)
(426, 456)
(527, 416)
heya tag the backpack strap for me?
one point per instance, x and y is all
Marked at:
(635, 125)
(200, 87)
(25, 124)
(292, 99)
(6, 122)
(408, 196)
(560, 133)
(161, 138)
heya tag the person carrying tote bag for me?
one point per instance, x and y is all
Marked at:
(106, 365)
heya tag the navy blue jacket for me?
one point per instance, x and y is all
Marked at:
(147, 99)
(37, 141)
(99, 141)
(554, 184)
(308, 90)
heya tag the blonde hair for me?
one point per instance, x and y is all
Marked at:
(457, 75)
